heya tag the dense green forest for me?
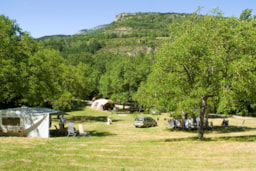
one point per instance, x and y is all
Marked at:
(119, 55)
(186, 63)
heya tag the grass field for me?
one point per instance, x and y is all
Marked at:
(123, 147)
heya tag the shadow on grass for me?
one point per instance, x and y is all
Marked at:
(100, 134)
(246, 138)
(230, 129)
(91, 118)
(218, 129)
(56, 133)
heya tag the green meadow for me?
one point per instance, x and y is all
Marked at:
(123, 147)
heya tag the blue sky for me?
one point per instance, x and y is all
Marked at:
(50, 17)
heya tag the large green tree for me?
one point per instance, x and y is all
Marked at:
(43, 79)
(32, 75)
(206, 57)
(15, 50)
(123, 76)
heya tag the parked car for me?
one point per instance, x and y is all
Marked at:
(144, 121)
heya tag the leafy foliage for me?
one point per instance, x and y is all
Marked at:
(201, 60)
(210, 57)
(123, 76)
(33, 75)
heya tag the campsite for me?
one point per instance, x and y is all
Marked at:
(70, 101)
(121, 146)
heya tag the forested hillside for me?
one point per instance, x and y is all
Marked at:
(128, 60)
(120, 54)
(129, 34)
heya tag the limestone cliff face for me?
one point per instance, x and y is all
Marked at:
(92, 31)
(137, 17)
(123, 16)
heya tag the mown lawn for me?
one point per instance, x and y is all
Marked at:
(121, 146)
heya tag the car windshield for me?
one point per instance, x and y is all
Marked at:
(139, 119)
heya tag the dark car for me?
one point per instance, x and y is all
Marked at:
(144, 121)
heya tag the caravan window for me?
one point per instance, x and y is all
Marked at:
(11, 121)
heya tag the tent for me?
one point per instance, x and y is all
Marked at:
(26, 121)
(102, 104)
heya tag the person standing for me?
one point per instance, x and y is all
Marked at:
(62, 122)
(109, 121)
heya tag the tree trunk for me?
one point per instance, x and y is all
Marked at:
(202, 112)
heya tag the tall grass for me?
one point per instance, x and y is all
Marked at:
(121, 146)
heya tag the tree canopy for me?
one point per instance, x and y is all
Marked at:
(207, 59)
(123, 77)
(33, 75)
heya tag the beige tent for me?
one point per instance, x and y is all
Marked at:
(102, 104)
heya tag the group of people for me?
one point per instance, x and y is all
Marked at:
(193, 123)
(224, 123)
(189, 123)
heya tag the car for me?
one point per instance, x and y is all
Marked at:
(144, 121)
